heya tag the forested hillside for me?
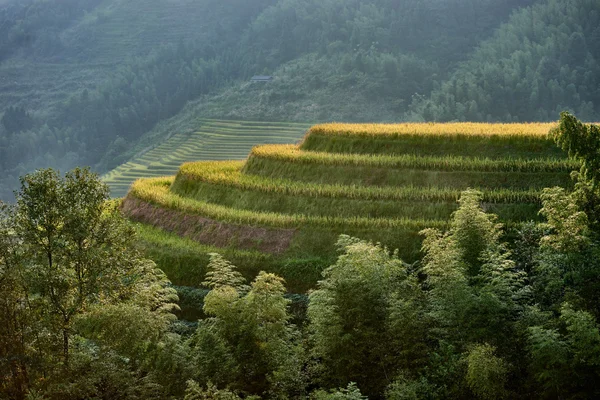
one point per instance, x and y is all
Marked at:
(489, 310)
(82, 82)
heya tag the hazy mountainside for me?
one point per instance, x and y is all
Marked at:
(82, 81)
(545, 60)
(93, 85)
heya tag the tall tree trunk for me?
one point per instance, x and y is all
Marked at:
(66, 347)
(20, 379)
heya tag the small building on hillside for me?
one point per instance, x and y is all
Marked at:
(261, 78)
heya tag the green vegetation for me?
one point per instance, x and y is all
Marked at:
(294, 155)
(477, 316)
(298, 236)
(418, 260)
(458, 139)
(212, 140)
(544, 60)
(293, 203)
(230, 174)
(101, 80)
(287, 162)
(77, 298)
(232, 189)
(184, 261)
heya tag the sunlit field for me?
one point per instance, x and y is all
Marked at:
(291, 201)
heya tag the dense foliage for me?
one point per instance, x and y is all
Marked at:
(482, 315)
(543, 61)
(336, 59)
(81, 310)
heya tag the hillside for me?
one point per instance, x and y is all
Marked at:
(383, 183)
(236, 282)
(94, 77)
(87, 82)
(212, 140)
(543, 61)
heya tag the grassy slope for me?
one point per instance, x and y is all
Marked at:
(119, 29)
(223, 184)
(34, 85)
(109, 36)
(504, 141)
(374, 170)
(298, 202)
(184, 260)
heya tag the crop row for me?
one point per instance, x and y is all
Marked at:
(531, 130)
(365, 176)
(228, 173)
(494, 147)
(293, 154)
(282, 203)
(156, 191)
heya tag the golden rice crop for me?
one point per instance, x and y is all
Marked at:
(156, 191)
(293, 154)
(532, 130)
(228, 173)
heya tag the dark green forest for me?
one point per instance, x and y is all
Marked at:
(488, 312)
(88, 82)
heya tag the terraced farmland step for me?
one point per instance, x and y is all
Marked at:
(223, 183)
(185, 261)
(150, 201)
(459, 139)
(289, 162)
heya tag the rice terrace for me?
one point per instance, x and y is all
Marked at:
(212, 140)
(284, 207)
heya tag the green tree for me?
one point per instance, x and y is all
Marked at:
(351, 392)
(13, 318)
(81, 300)
(248, 343)
(565, 360)
(195, 392)
(365, 319)
(474, 288)
(76, 243)
(486, 373)
(566, 265)
(582, 142)
(475, 294)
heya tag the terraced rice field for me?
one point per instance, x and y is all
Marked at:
(378, 182)
(214, 140)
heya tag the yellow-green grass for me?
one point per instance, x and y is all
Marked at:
(465, 139)
(313, 236)
(229, 173)
(185, 261)
(475, 162)
(213, 140)
(223, 183)
(156, 191)
(285, 206)
(289, 162)
(458, 129)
